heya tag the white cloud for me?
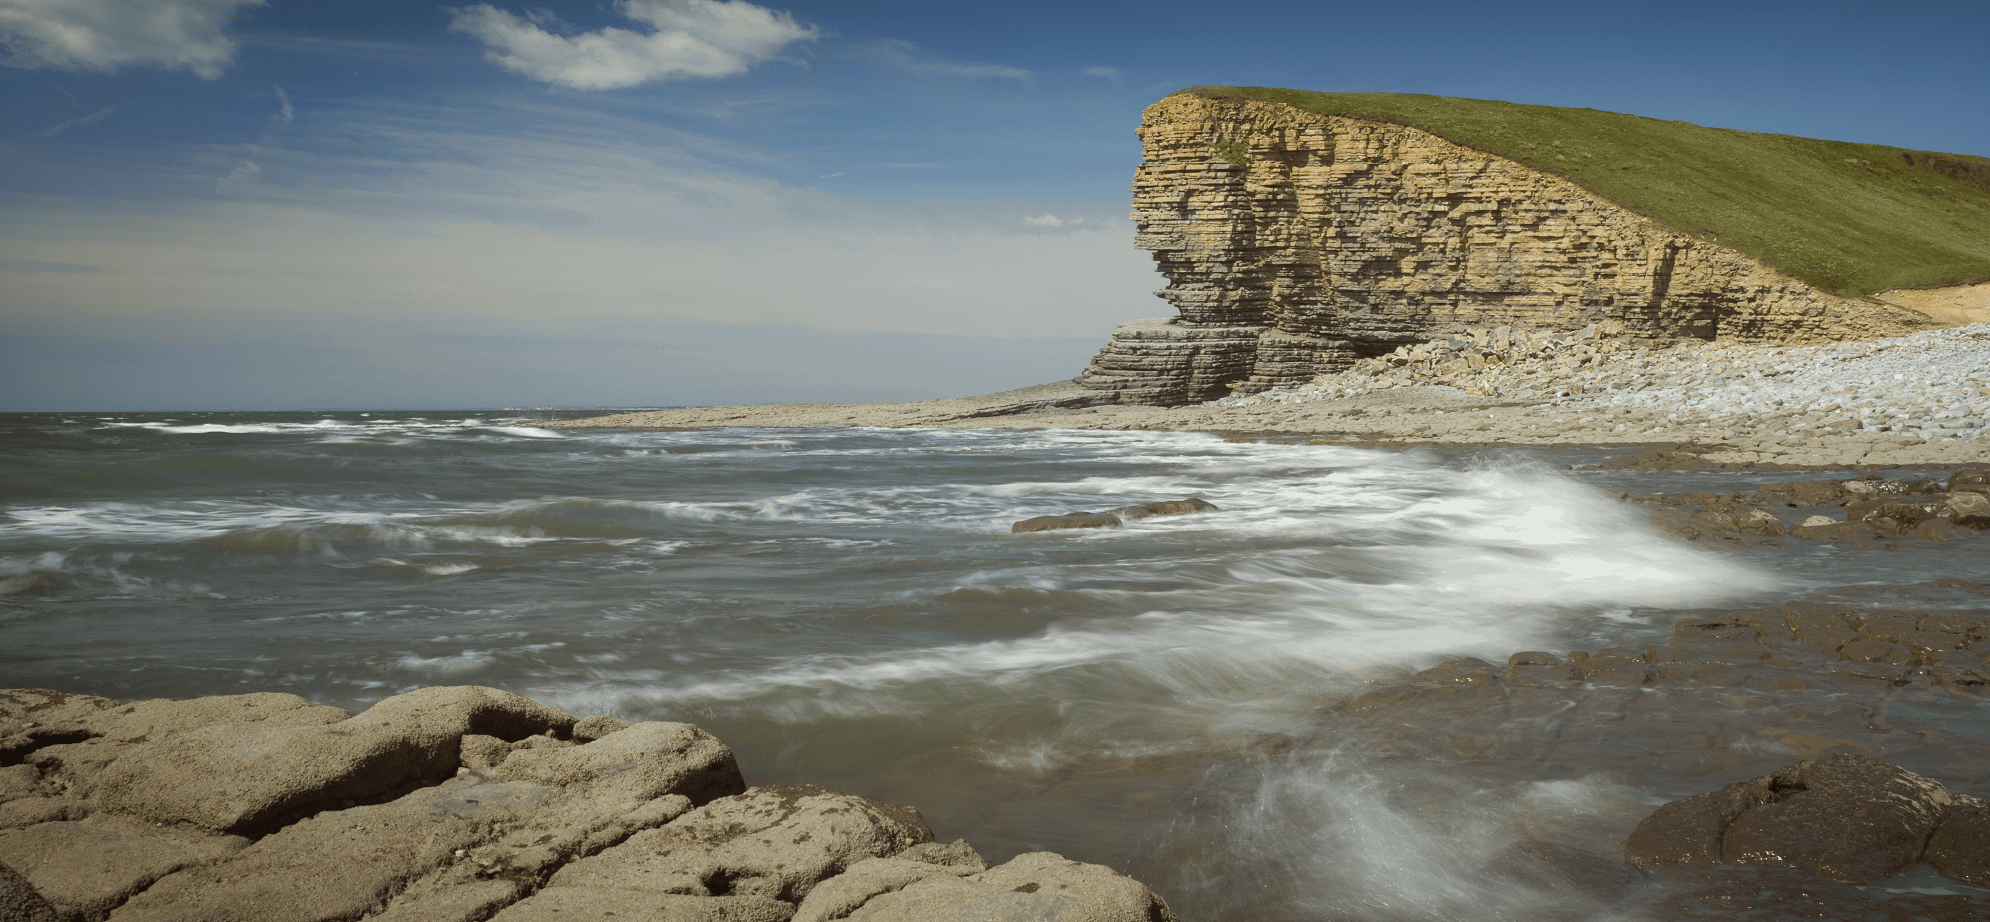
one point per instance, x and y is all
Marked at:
(691, 38)
(104, 35)
(85, 121)
(1109, 73)
(1051, 220)
(910, 58)
(287, 113)
(239, 180)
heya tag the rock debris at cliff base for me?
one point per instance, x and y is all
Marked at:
(1921, 399)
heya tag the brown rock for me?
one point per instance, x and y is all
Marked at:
(20, 902)
(1960, 846)
(1845, 817)
(589, 729)
(1172, 507)
(1038, 885)
(249, 778)
(87, 869)
(774, 842)
(1689, 831)
(1067, 520)
(648, 760)
(1971, 510)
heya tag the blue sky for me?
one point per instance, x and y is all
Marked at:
(210, 204)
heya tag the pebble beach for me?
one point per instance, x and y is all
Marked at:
(1921, 399)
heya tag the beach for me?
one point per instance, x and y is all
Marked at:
(1914, 400)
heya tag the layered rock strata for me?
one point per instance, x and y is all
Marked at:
(1295, 243)
(462, 804)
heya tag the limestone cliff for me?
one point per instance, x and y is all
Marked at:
(1295, 243)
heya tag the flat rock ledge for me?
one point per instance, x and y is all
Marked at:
(463, 804)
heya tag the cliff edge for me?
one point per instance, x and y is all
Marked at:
(1296, 242)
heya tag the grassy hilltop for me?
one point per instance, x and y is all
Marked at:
(1848, 218)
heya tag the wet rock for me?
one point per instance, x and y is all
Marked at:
(1857, 534)
(1971, 510)
(1171, 507)
(1843, 816)
(1067, 520)
(1565, 871)
(1960, 846)
(1690, 831)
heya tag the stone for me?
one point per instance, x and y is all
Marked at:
(21, 902)
(1960, 846)
(86, 869)
(648, 759)
(250, 778)
(775, 842)
(589, 729)
(839, 896)
(1842, 816)
(1171, 507)
(1033, 886)
(1068, 520)
(1971, 510)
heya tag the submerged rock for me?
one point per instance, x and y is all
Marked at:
(1067, 520)
(1113, 518)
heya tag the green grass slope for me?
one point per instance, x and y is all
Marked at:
(1848, 218)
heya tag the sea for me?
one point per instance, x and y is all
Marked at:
(848, 607)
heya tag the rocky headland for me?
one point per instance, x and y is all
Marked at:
(463, 803)
(1297, 242)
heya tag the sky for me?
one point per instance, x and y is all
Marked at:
(312, 204)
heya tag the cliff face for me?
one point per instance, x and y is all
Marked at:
(1295, 243)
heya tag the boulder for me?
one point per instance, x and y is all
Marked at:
(1960, 846)
(1689, 831)
(1971, 510)
(1067, 520)
(1170, 507)
(1038, 885)
(250, 778)
(773, 843)
(1842, 816)
(21, 902)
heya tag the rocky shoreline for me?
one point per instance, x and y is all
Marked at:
(1915, 400)
(463, 803)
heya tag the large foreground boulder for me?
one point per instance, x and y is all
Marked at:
(451, 804)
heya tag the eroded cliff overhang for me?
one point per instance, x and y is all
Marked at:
(1295, 243)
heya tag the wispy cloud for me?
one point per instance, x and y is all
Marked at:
(104, 35)
(905, 56)
(1051, 220)
(239, 180)
(284, 115)
(85, 121)
(1109, 73)
(687, 38)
